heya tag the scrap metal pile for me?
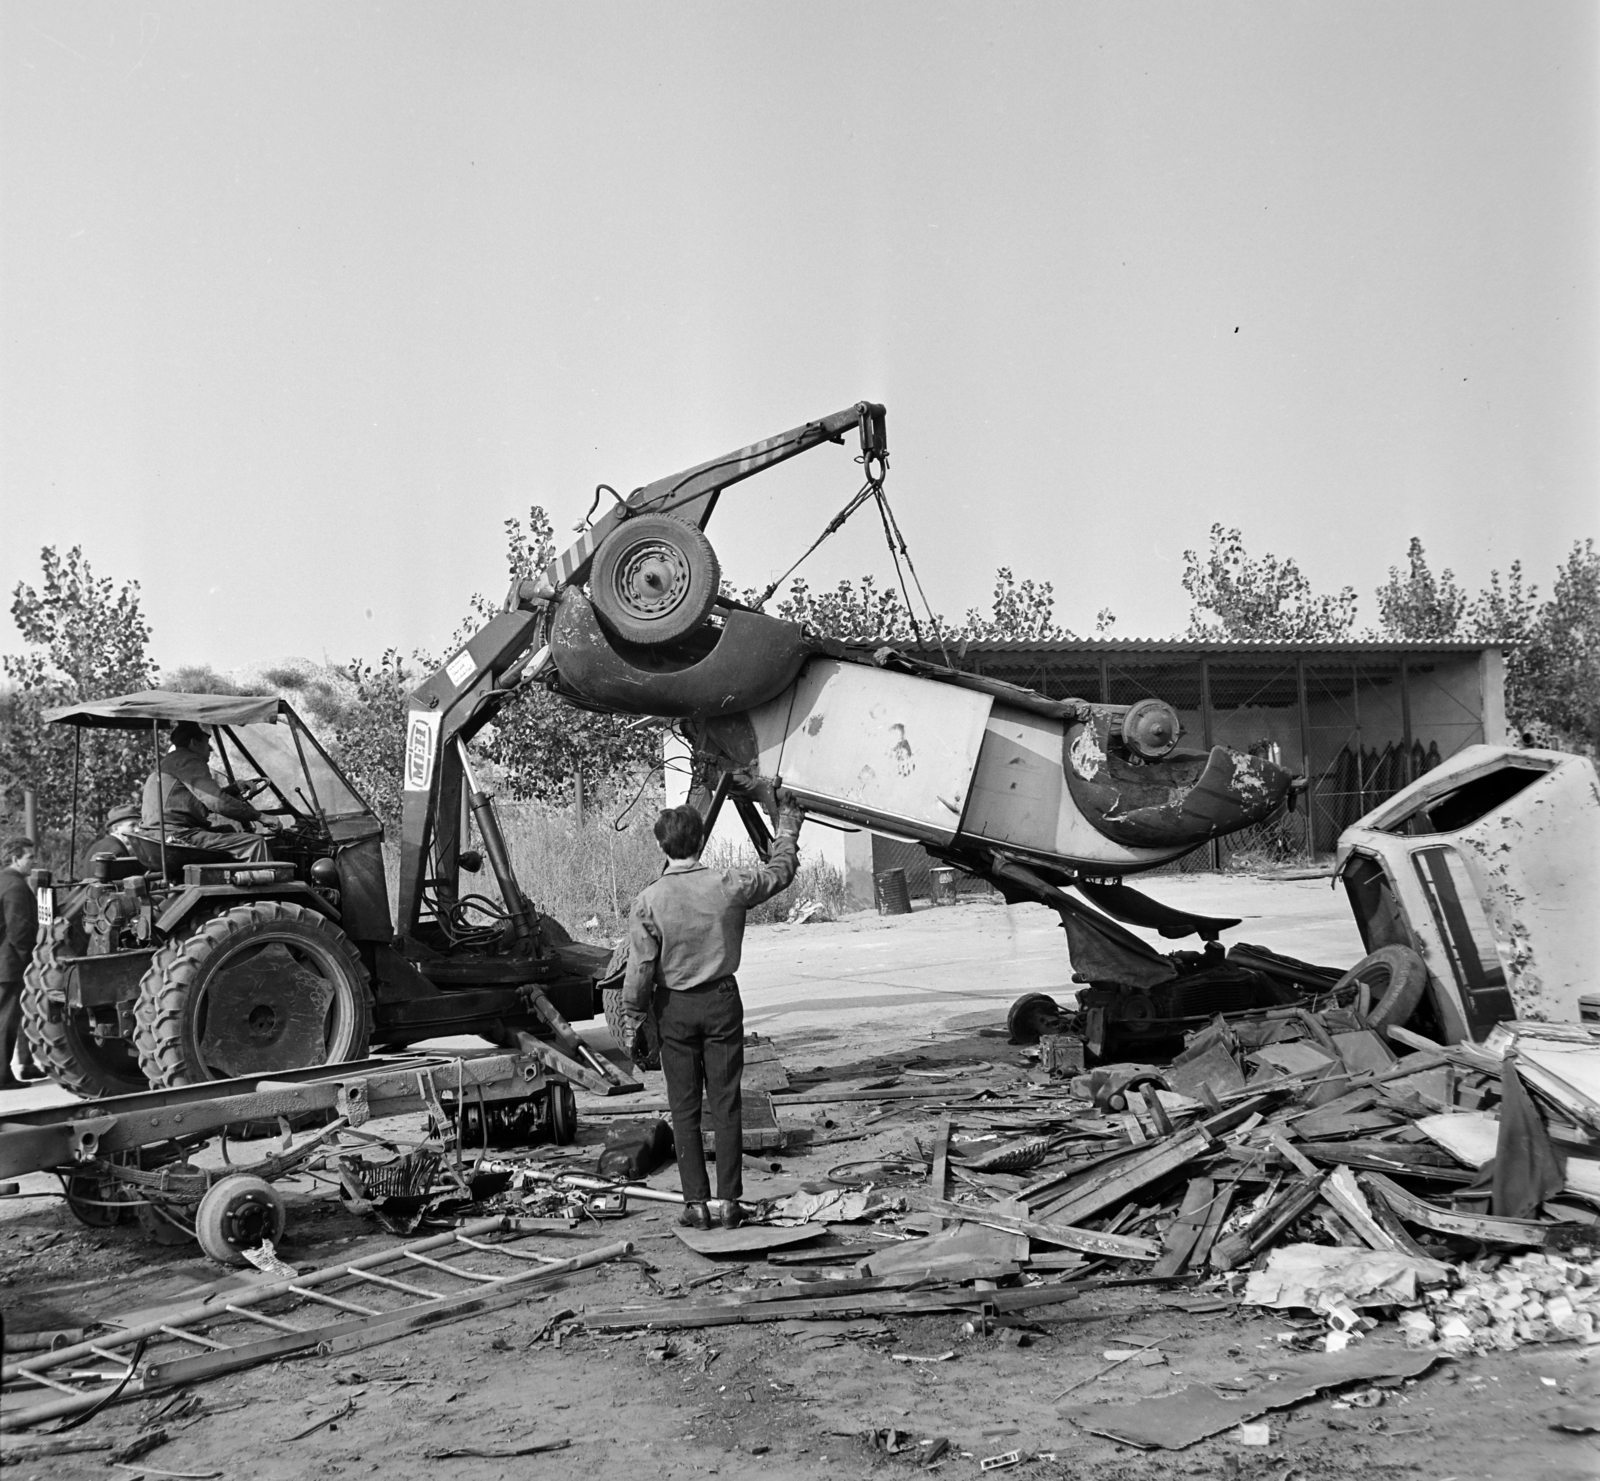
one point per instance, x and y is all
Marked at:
(1300, 1162)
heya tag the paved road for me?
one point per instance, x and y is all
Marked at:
(942, 964)
(908, 975)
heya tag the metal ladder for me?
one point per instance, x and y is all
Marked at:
(448, 1276)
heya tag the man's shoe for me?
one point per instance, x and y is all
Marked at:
(695, 1216)
(729, 1214)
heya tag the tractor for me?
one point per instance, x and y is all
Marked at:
(176, 965)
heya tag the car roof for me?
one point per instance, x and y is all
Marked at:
(168, 707)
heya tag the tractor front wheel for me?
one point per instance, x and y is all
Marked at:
(261, 988)
(68, 1050)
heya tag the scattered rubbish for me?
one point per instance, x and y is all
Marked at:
(635, 1149)
(466, 1275)
(747, 1239)
(494, 1452)
(1259, 1433)
(1316, 1276)
(911, 1357)
(1001, 1462)
(1175, 1421)
(265, 1259)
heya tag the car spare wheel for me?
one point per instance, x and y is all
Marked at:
(67, 1049)
(258, 989)
(654, 579)
(1389, 986)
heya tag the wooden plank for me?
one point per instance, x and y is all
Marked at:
(940, 1179)
(1116, 1183)
(1086, 1241)
(894, 1092)
(1343, 1192)
(1523, 1233)
(679, 1314)
(1269, 1224)
(1158, 1112)
(1178, 1243)
(1212, 1227)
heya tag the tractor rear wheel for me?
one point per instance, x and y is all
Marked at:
(68, 1051)
(261, 988)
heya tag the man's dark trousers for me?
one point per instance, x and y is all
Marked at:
(702, 1050)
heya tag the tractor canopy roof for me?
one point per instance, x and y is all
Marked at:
(257, 737)
(168, 707)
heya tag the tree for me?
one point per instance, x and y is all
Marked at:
(852, 612)
(368, 736)
(1419, 606)
(1024, 612)
(1552, 650)
(1266, 599)
(86, 638)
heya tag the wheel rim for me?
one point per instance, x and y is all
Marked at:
(113, 1060)
(248, 1221)
(275, 1002)
(650, 579)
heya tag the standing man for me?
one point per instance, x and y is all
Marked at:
(182, 794)
(684, 943)
(21, 929)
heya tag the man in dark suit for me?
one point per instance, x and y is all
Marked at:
(20, 920)
(120, 822)
(685, 938)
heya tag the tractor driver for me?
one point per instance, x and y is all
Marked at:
(182, 794)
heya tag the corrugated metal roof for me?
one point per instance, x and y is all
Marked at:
(1094, 646)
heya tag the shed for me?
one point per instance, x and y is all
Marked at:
(1359, 720)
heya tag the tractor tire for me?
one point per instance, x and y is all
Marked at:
(68, 1051)
(654, 579)
(254, 965)
(1394, 978)
(612, 1001)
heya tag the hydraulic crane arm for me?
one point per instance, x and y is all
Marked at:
(692, 495)
(463, 695)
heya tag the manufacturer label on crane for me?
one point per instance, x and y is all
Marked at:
(422, 740)
(461, 668)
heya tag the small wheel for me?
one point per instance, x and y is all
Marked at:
(1394, 978)
(1032, 1014)
(236, 1215)
(563, 1115)
(96, 1201)
(654, 579)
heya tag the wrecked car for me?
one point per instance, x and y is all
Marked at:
(1036, 795)
(1488, 869)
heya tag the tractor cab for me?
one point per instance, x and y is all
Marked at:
(178, 964)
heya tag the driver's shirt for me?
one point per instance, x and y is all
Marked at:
(183, 792)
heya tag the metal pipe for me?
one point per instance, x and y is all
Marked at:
(72, 834)
(494, 845)
(161, 801)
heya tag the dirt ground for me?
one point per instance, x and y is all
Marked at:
(852, 999)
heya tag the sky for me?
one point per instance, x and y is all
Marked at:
(299, 302)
